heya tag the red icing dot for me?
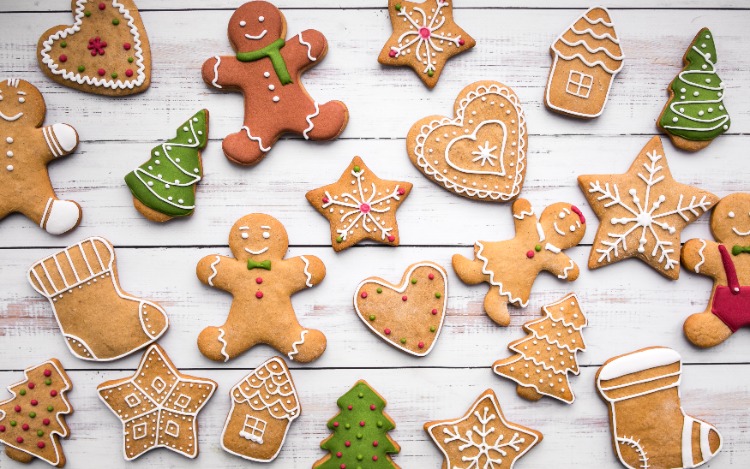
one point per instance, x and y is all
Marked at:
(63, 58)
(47, 373)
(372, 407)
(424, 32)
(401, 191)
(431, 276)
(391, 238)
(434, 311)
(343, 466)
(403, 298)
(126, 46)
(101, 6)
(461, 42)
(392, 53)
(420, 345)
(53, 393)
(258, 280)
(364, 294)
(17, 408)
(338, 455)
(40, 445)
(325, 200)
(387, 331)
(361, 423)
(19, 440)
(259, 294)
(335, 424)
(31, 385)
(375, 458)
(349, 407)
(128, 73)
(375, 443)
(25, 426)
(2, 428)
(34, 402)
(347, 443)
(101, 72)
(530, 254)
(364, 208)
(45, 421)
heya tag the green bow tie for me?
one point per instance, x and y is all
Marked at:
(737, 249)
(251, 264)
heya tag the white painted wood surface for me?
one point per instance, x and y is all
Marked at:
(629, 306)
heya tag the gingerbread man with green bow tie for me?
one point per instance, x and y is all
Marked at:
(262, 282)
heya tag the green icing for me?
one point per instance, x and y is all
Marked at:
(377, 424)
(178, 159)
(696, 110)
(273, 52)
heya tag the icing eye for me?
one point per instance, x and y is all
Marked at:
(243, 24)
(561, 215)
(730, 214)
(572, 228)
(245, 235)
(266, 235)
(261, 19)
(21, 100)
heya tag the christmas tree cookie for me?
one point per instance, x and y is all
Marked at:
(544, 358)
(33, 420)
(164, 187)
(360, 432)
(695, 113)
(105, 51)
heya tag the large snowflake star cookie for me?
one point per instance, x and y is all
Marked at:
(424, 37)
(643, 212)
(360, 206)
(482, 438)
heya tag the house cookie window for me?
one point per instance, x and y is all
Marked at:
(253, 429)
(579, 84)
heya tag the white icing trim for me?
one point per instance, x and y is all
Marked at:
(308, 275)
(553, 249)
(638, 361)
(214, 272)
(705, 445)
(595, 50)
(308, 45)
(523, 214)
(570, 267)
(256, 139)
(309, 119)
(497, 283)
(687, 441)
(214, 82)
(636, 445)
(46, 212)
(223, 345)
(295, 344)
(540, 231)
(700, 253)
(51, 143)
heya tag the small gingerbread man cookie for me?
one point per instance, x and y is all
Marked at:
(511, 266)
(262, 282)
(27, 149)
(267, 70)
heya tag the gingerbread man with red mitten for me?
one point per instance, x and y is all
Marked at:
(266, 70)
(26, 149)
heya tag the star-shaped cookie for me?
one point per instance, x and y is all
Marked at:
(158, 405)
(424, 37)
(360, 206)
(482, 438)
(642, 212)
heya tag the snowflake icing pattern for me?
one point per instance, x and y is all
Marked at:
(647, 215)
(424, 34)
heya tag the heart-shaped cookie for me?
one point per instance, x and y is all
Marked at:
(479, 154)
(105, 51)
(410, 315)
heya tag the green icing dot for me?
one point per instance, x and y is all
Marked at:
(130, 60)
(360, 457)
(114, 75)
(357, 169)
(430, 73)
(50, 408)
(115, 21)
(39, 433)
(379, 290)
(380, 424)
(432, 328)
(81, 68)
(47, 381)
(339, 239)
(347, 426)
(372, 317)
(63, 44)
(12, 423)
(397, 7)
(403, 341)
(413, 281)
(88, 13)
(538, 247)
(361, 395)
(359, 436)
(438, 295)
(22, 392)
(32, 414)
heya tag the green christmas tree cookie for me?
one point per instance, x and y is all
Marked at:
(360, 433)
(164, 186)
(695, 113)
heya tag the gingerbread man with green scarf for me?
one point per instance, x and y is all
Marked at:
(267, 69)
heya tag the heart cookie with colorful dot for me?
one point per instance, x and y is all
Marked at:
(408, 316)
(105, 51)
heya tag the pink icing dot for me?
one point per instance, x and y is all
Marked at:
(391, 238)
(375, 443)
(434, 312)
(25, 426)
(335, 424)
(258, 280)
(364, 294)
(19, 440)
(431, 276)
(364, 208)
(387, 331)
(2, 428)
(45, 421)
(34, 402)
(401, 191)
(361, 423)
(375, 458)
(420, 345)
(392, 53)
(424, 32)
(326, 200)
(461, 42)
(63, 58)
(259, 294)
(128, 73)
(31, 385)
(126, 46)
(17, 408)
(47, 373)
(404, 298)
(372, 407)
(343, 466)
(53, 393)
(338, 455)
(40, 445)
(101, 72)
(530, 254)
(349, 407)
(347, 443)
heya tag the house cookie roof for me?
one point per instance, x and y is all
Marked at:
(592, 38)
(269, 387)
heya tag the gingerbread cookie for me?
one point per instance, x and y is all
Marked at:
(264, 405)
(545, 357)
(33, 420)
(158, 405)
(410, 315)
(695, 115)
(586, 58)
(360, 432)
(511, 266)
(262, 282)
(424, 37)
(25, 186)
(649, 427)
(99, 321)
(164, 187)
(360, 206)
(267, 70)
(105, 51)
(642, 212)
(727, 262)
(482, 438)
(479, 154)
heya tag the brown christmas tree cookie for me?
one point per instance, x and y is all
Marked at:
(424, 37)
(262, 282)
(264, 405)
(586, 58)
(642, 212)
(267, 69)
(481, 153)
(98, 320)
(544, 358)
(26, 149)
(158, 406)
(482, 437)
(33, 420)
(511, 266)
(360, 206)
(105, 51)
(649, 428)
(409, 315)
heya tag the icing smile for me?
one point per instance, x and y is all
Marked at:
(740, 233)
(256, 253)
(11, 118)
(259, 36)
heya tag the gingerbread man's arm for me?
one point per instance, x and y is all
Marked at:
(702, 257)
(222, 71)
(304, 272)
(524, 218)
(219, 272)
(304, 50)
(562, 266)
(59, 139)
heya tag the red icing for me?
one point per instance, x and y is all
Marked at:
(45, 421)
(387, 331)
(578, 212)
(19, 440)
(431, 276)
(338, 455)
(363, 294)
(101, 6)
(128, 73)
(530, 254)
(34, 402)
(259, 280)
(31, 385)
(364, 208)
(47, 373)
(420, 345)
(101, 72)
(404, 298)
(343, 466)
(400, 191)
(326, 200)
(335, 424)
(259, 294)
(17, 408)
(362, 423)
(424, 32)
(372, 407)
(25, 426)
(392, 53)
(391, 238)
(350, 407)
(126, 46)
(461, 42)
(347, 443)
(96, 46)
(731, 303)
(375, 458)
(63, 58)
(434, 311)
(2, 428)
(53, 393)
(40, 445)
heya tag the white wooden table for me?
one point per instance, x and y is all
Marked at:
(629, 306)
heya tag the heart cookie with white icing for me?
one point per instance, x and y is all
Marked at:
(479, 154)
(105, 51)
(409, 315)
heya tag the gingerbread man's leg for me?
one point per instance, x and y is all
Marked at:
(249, 145)
(55, 216)
(327, 122)
(496, 306)
(298, 343)
(232, 338)
(706, 329)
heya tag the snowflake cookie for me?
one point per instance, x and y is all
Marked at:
(643, 212)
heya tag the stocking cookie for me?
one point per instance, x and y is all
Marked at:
(642, 212)
(727, 262)
(267, 70)
(33, 420)
(511, 266)
(424, 37)
(481, 153)
(105, 51)
(649, 427)
(262, 282)
(98, 320)
(28, 148)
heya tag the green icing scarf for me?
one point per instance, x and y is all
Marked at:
(273, 52)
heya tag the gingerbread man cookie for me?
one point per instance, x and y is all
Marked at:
(267, 70)
(511, 266)
(27, 149)
(262, 282)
